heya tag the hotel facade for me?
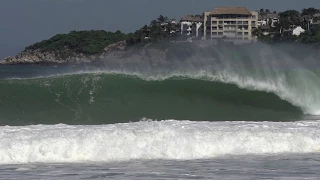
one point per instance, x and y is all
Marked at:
(224, 22)
(229, 23)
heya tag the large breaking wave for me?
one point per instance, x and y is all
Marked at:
(102, 98)
(255, 83)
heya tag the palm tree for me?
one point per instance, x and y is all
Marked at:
(169, 27)
(267, 11)
(309, 12)
(289, 17)
(145, 28)
(154, 23)
(261, 12)
(162, 19)
(270, 22)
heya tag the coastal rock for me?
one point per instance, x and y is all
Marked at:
(118, 52)
(119, 46)
(40, 57)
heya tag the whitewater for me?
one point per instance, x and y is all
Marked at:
(147, 140)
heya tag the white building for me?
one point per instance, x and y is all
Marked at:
(297, 31)
(191, 26)
(268, 19)
(262, 22)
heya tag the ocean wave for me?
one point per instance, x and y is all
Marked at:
(100, 98)
(170, 139)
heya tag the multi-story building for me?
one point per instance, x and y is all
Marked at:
(229, 23)
(191, 26)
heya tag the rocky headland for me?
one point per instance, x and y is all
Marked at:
(112, 53)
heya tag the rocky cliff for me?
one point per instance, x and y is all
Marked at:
(114, 52)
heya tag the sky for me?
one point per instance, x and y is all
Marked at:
(24, 22)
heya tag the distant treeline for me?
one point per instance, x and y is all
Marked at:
(86, 42)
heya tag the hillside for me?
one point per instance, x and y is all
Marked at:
(76, 46)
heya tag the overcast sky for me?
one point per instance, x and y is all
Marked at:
(24, 22)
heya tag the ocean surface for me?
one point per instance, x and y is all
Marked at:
(232, 119)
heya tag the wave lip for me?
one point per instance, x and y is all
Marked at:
(176, 140)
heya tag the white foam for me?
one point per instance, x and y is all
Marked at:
(179, 140)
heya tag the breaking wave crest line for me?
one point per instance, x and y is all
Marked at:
(301, 88)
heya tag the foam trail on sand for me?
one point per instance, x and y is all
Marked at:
(178, 140)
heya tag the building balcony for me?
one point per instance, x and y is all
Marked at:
(230, 29)
(231, 17)
(242, 29)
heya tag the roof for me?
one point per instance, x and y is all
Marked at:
(272, 16)
(268, 16)
(231, 10)
(192, 18)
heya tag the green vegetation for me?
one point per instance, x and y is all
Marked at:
(281, 31)
(159, 29)
(86, 42)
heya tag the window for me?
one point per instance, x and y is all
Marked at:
(245, 22)
(253, 23)
(214, 28)
(239, 33)
(220, 33)
(239, 22)
(214, 22)
(254, 16)
(220, 22)
(246, 33)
